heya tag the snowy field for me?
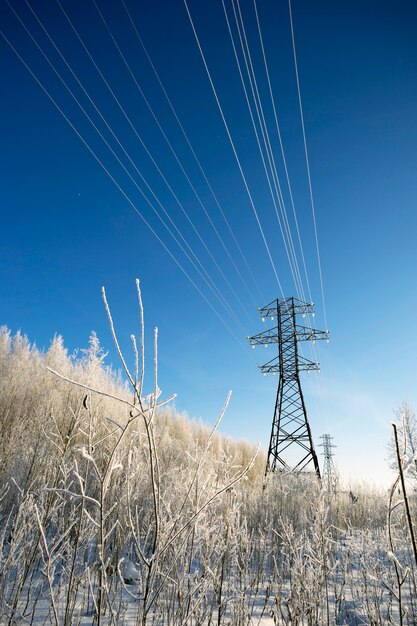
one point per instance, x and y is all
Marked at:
(313, 575)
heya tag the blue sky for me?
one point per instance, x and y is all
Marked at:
(67, 230)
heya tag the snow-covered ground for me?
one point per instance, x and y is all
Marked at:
(360, 588)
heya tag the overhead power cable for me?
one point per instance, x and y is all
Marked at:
(284, 160)
(234, 149)
(171, 148)
(202, 272)
(268, 145)
(307, 162)
(200, 167)
(154, 162)
(132, 204)
(275, 197)
(119, 187)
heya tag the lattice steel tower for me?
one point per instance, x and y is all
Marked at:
(329, 470)
(291, 433)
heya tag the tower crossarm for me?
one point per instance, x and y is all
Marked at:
(311, 334)
(265, 338)
(305, 365)
(271, 310)
(272, 367)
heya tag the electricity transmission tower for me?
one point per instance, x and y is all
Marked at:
(291, 433)
(329, 470)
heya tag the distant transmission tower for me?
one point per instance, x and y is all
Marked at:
(291, 433)
(329, 471)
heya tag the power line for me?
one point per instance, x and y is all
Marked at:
(255, 130)
(206, 277)
(266, 138)
(307, 163)
(132, 126)
(119, 187)
(234, 148)
(173, 153)
(216, 200)
(264, 132)
(282, 147)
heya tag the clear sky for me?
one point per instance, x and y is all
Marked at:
(67, 229)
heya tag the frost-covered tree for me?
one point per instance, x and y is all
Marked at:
(406, 422)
